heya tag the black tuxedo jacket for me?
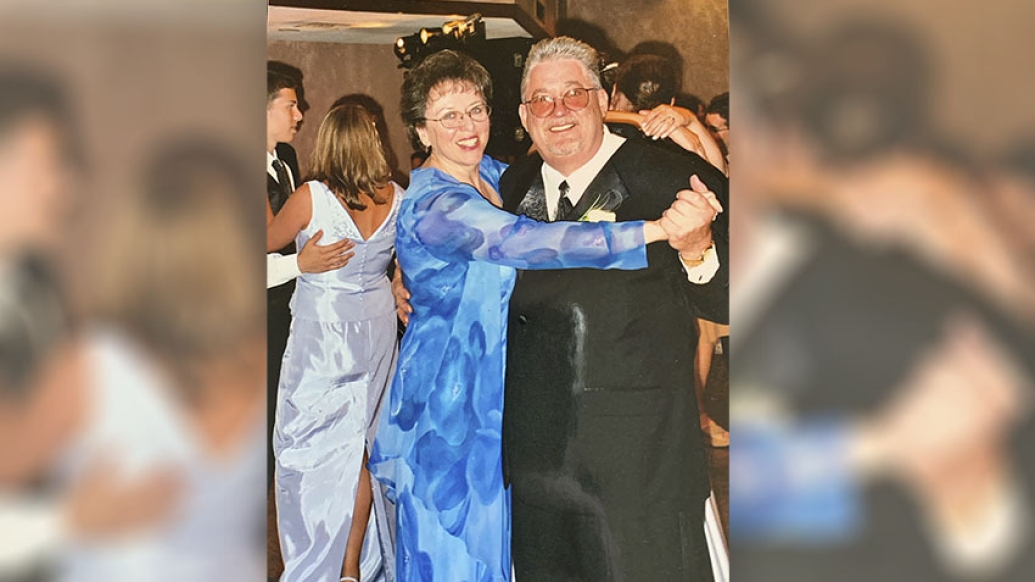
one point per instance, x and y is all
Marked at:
(279, 296)
(278, 311)
(287, 154)
(601, 435)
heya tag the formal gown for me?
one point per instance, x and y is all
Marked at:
(438, 447)
(339, 359)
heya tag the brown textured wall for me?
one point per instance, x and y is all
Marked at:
(699, 29)
(332, 70)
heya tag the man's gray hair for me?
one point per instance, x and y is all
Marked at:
(562, 47)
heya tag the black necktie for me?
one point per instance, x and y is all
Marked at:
(284, 181)
(564, 205)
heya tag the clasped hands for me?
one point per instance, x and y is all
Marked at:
(687, 224)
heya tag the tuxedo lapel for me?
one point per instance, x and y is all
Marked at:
(273, 193)
(606, 192)
(533, 205)
(286, 153)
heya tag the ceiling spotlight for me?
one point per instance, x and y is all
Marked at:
(465, 27)
(426, 34)
(407, 48)
(455, 34)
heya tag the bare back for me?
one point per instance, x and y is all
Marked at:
(370, 219)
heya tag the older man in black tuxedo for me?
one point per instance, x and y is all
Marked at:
(601, 440)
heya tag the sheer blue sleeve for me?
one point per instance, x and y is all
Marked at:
(457, 224)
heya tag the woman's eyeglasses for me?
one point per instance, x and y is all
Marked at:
(454, 119)
(574, 99)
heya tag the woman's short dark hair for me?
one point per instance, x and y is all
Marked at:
(443, 66)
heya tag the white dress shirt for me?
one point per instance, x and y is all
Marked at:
(581, 178)
(280, 268)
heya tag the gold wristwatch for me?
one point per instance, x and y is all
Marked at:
(700, 260)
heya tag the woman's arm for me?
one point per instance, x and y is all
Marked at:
(627, 117)
(669, 121)
(689, 141)
(457, 224)
(291, 219)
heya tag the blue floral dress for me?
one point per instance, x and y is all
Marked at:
(438, 446)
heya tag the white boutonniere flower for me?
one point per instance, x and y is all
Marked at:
(598, 215)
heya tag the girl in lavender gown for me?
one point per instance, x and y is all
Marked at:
(339, 358)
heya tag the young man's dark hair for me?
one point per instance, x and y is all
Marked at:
(692, 102)
(293, 72)
(720, 105)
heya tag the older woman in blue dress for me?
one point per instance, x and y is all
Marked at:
(438, 445)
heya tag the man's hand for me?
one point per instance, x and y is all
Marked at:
(688, 222)
(314, 258)
(402, 297)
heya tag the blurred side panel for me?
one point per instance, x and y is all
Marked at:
(883, 302)
(132, 320)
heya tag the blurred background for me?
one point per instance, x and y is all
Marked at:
(882, 290)
(132, 317)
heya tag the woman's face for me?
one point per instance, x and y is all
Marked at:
(463, 145)
(34, 178)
